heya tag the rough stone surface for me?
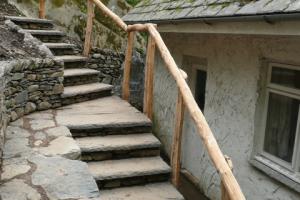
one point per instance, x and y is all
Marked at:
(18, 190)
(157, 191)
(64, 179)
(30, 86)
(58, 131)
(115, 112)
(109, 64)
(118, 142)
(134, 167)
(40, 124)
(62, 146)
(24, 162)
(15, 169)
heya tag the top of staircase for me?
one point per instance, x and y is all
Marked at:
(29, 20)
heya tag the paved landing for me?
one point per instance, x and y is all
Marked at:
(40, 162)
(104, 112)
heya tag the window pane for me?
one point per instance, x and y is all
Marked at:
(286, 77)
(200, 88)
(281, 126)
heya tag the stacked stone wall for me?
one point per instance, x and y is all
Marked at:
(110, 65)
(28, 86)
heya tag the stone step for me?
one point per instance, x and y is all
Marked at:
(73, 61)
(31, 23)
(155, 191)
(86, 92)
(125, 172)
(104, 116)
(80, 76)
(80, 90)
(60, 45)
(47, 36)
(60, 49)
(80, 72)
(118, 146)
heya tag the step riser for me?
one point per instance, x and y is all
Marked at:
(122, 154)
(49, 38)
(39, 26)
(80, 80)
(103, 131)
(131, 181)
(78, 64)
(86, 97)
(62, 51)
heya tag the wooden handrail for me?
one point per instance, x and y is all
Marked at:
(110, 14)
(217, 157)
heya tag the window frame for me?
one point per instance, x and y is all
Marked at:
(285, 172)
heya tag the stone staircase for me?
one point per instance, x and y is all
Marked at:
(116, 139)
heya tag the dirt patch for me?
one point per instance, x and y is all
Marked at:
(12, 43)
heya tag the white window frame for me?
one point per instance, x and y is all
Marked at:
(287, 173)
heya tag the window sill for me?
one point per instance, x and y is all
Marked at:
(277, 172)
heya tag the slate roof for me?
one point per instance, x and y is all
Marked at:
(161, 10)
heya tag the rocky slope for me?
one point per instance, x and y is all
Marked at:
(70, 15)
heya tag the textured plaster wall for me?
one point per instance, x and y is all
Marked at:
(233, 67)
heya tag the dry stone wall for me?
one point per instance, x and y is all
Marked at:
(110, 64)
(27, 86)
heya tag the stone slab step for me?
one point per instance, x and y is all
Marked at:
(60, 45)
(126, 168)
(106, 115)
(45, 32)
(79, 90)
(156, 191)
(70, 58)
(118, 147)
(80, 72)
(118, 142)
(29, 20)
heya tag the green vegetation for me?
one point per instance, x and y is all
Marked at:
(133, 2)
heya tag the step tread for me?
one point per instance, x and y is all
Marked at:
(45, 32)
(125, 168)
(80, 72)
(29, 20)
(60, 45)
(76, 90)
(103, 112)
(155, 191)
(71, 58)
(118, 142)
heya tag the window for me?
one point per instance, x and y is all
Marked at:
(200, 88)
(279, 144)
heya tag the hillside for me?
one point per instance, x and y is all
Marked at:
(70, 15)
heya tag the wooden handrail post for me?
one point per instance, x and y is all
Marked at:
(127, 66)
(149, 73)
(89, 27)
(225, 195)
(42, 12)
(177, 138)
